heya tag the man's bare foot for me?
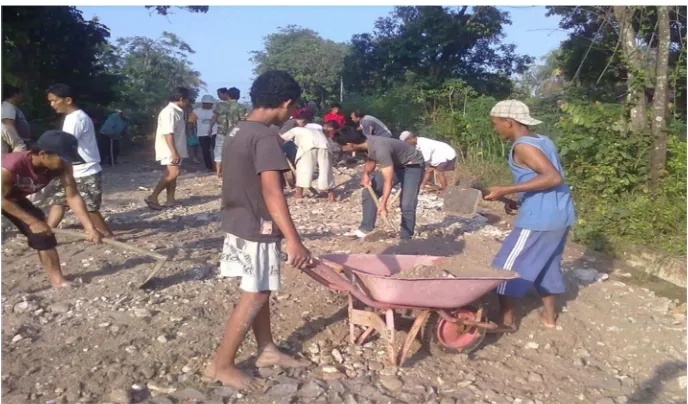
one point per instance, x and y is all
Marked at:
(230, 376)
(61, 283)
(271, 356)
(548, 321)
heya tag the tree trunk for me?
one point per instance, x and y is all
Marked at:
(635, 90)
(661, 98)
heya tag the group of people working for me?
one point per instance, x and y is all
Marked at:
(255, 213)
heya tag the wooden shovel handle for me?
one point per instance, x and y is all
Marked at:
(113, 243)
(377, 205)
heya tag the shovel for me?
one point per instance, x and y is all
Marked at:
(123, 246)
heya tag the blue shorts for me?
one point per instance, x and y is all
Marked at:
(536, 256)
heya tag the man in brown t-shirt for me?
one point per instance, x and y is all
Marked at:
(255, 217)
(26, 173)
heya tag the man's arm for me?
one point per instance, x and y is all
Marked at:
(531, 157)
(426, 176)
(11, 137)
(368, 168)
(388, 177)
(276, 204)
(12, 208)
(76, 203)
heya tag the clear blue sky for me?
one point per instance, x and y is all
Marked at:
(223, 37)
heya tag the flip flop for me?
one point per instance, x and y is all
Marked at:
(503, 329)
(152, 205)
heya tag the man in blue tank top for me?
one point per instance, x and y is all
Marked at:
(535, 247)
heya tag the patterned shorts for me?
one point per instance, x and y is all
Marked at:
(90, 188)
(257, 264)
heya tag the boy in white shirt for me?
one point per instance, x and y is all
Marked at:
(170, 147)
(312, 151)
(439, 157)
(88, 175)
(202, 116)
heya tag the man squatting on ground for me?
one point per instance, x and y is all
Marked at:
(255, 218)
(26, 173)
(312, 150)
(228, 112)
(399, 163)
(88, 174)
(535, 246)
(170, 147)
(439, 157)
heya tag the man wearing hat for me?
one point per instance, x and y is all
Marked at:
(202, 117)
(439, 157)
(535, 246)
(26, 173)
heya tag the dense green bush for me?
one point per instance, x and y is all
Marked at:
(607, 167)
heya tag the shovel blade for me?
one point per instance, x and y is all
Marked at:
(462, 201)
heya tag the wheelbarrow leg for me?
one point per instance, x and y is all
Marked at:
(417, 326)
(390, 337)
(365, 335)
(352, 326)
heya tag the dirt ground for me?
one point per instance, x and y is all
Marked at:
(109, 342)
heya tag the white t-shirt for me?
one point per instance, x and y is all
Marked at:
(435, 152)
(170, 120)
(203, 118)
(9, 111)
(306, 139)
(79, 124)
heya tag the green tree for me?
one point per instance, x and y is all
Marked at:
(316, 63)
(436, 43)
(45, 45)
(150, 69)
(165, 10)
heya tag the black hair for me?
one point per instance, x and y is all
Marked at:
(179, 93)
(234, 93)
(9, 91)
(272, 88)
(335, 105)
(62, 91)
(358, 113)
(304, 115)
(222, 90)
(333, 124)
(349, 135)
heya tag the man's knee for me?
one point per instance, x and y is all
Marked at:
(172, 172)
(41, 242)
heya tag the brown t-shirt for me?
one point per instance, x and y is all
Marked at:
(26, 179)
(250, 148)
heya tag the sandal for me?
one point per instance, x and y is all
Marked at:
(153, 205)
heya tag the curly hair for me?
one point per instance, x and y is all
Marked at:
(271, 89)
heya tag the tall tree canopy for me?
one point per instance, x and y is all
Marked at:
(316, 63)
(150, 69)
(436, 43)
(44, 45)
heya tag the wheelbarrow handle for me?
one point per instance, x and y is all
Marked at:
(113, 243)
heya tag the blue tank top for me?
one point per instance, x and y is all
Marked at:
(550, 209)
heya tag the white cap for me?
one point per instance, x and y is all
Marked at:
(207, 99)
(405, 135)
(516, 110)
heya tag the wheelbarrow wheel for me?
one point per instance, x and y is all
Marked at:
(442, 336)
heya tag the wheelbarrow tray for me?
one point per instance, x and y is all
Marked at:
(375, 270)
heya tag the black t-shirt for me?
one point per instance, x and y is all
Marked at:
(251, 148)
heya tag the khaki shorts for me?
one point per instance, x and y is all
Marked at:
(90, 188)
(446, 166)
(257, 264)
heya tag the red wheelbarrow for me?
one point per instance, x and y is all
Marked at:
(444, 319)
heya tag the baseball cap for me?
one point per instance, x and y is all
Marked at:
(61, 143)
(207, 99)
(516, 110)
(405, 135)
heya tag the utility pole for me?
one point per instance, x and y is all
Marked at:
(341, 89)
